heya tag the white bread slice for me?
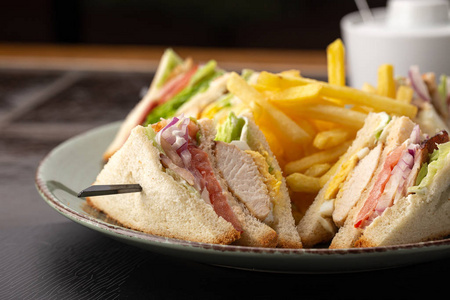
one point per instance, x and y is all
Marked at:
(414, 218)
(283, 220)
(399, 130)
(255, 233)
(313, 227)
(164, 207)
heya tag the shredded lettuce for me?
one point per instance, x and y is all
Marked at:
(224, 102)
(436, 163)
(151, 134)
(246, 74)
(203, 72)
(384, 121)
(231, 129)
(422, 173)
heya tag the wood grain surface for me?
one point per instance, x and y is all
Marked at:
(146, 58)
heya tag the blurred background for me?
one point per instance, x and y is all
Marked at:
(301, 24)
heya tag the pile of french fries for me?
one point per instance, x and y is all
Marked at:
(309, 124)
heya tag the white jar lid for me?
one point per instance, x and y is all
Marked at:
(416, 14)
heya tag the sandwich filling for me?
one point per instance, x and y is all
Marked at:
(177, 140)
(348, 166)
(355, 161)
(176, 82)
(407, 169)
(180, 89)
(235, 131)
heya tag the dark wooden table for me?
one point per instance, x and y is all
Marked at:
(44, 101)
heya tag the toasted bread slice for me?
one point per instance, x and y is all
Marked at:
(414, 218)
(314, 227)
(165, 206)
(399, 130)
(283, 221)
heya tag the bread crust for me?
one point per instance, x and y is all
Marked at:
(225, 239)
(399, 130)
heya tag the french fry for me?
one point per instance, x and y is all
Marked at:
(363, 109)
(386, 81)
(297, 95)
(368, 88)
(379, 103)
(295, 73)
(288, 129)
(336, 63)
(322, 125)
(330, 113)
(331, 138)
(350, 95)
(317, 170)
(326, 156)
(298, 182)
(266, 88)
(279, 81)
(404, 94)
(307, 125)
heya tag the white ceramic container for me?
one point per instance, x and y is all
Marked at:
(405, 33)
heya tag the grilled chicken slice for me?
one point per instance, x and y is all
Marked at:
(243, 178)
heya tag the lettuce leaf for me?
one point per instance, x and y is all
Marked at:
(231, 129)
(437, 161)
(198, 84)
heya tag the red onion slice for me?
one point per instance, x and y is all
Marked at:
(171, 153)
(415, 135)
(182, 172)
(418, 84)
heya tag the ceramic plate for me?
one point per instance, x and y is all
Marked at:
(73, 166)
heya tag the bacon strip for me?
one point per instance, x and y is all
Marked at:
(431, 144)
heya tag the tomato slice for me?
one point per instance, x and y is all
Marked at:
(176, 85)
(168, 91)
(378, 188)
(218, 199)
